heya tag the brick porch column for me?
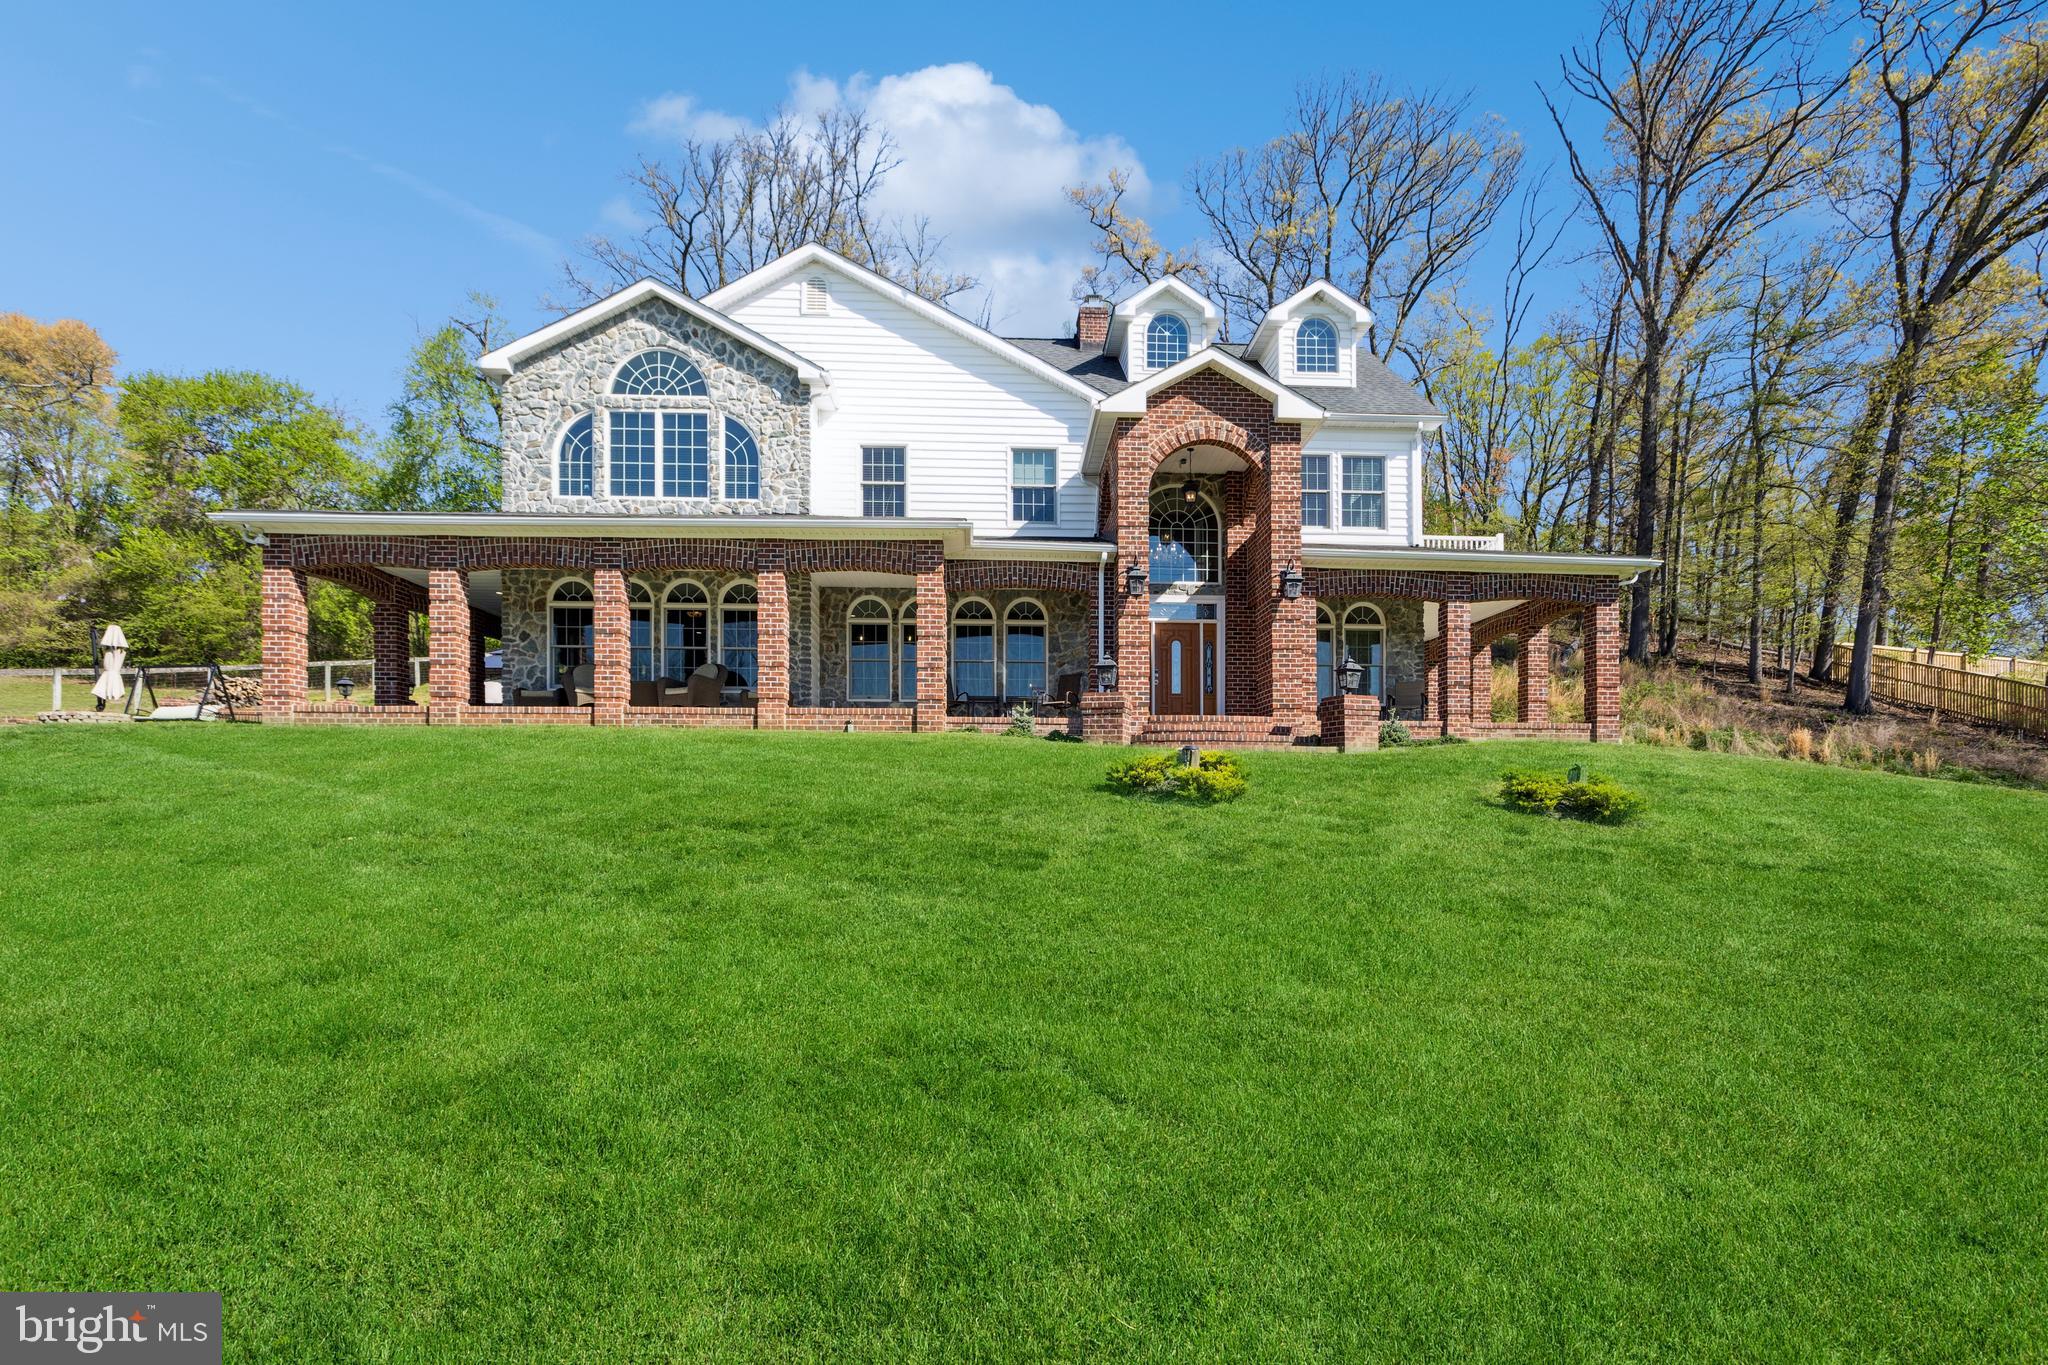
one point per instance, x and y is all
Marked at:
(448, 636)
(610, 645)
(928, 560)
(390, 637)
(1532, 678)
(284, 632)
(1482, 685)
(1603, 670)
(771, 630)
(1293, 638)
(1454, 670)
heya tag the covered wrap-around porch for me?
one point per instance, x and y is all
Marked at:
(841, 630)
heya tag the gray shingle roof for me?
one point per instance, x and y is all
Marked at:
(1378, 390)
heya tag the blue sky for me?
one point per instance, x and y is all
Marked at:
(300, 189)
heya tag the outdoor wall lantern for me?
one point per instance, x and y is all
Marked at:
(345, 686)
(1134, 580)
(1354, 675)
(1290, 584)
(1105, 674)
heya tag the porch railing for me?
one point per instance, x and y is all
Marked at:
(1492, 542)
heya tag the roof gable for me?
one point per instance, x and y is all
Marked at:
(1288, 406)
(502, 362)
(811, 256)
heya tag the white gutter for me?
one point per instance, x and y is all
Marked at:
(957, 532)
(1399, 557)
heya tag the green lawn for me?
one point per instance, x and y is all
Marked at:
(588, 1044)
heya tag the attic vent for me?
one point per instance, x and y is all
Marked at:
(816, 298)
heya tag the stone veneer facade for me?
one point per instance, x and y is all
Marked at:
(552, 389)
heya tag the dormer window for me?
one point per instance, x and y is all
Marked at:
(1315, 347)
(660, 373)
(1166, 341)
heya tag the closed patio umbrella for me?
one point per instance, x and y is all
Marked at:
(107, 687)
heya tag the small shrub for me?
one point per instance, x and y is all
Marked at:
(1596, 798)
(1394, 732)
(1020, 721)
(1926, 762)
(1216, 776)
(1799, 744)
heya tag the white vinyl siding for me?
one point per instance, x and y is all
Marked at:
(901, 379)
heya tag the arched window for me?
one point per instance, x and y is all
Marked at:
(571, 611)
(1365, 633)
(742, 462)
(640, 629)
(685, 631)
(906, 657)
(739, 640)
(659, 373)
(1186, 539)
(1166, 341)
(974, 649)
(867, 650)
(1315, 347)
(1326, 645)
(1024, 650)
(574, 466)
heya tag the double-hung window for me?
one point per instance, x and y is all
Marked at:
(1031, 486)
(1315, 490)
(1365, 491)
(881, 481)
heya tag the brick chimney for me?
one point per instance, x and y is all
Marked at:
(1091, 324)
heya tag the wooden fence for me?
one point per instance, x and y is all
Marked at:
(2009, 703)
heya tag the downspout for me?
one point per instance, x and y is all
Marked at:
(1101, 572)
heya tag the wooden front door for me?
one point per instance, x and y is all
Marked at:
(1184, 668)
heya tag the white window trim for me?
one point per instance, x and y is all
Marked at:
(995, 644)
(1343, 461)
(887, 621)
(668, 604)
(611, 382)
(1339, 648)
(1329, 493)
(861, 480)
(596, 458)
(554, 591)
(1145, 341)
(1044, 625)
(718, 610)
(907, 617)
(1010, 516)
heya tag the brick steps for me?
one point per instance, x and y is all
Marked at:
(1219, 732)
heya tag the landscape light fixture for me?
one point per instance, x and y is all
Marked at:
(345, 686)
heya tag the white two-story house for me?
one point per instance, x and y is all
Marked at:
(814, 499)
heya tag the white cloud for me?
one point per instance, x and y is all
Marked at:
(989, 170)
(679, 117)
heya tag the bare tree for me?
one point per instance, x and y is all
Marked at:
(1955, 178)
(1711, 107)
(722, 207)
(1127, 251)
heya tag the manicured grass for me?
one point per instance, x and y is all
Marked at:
(534, 1044)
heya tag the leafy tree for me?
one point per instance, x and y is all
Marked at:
(442, 451)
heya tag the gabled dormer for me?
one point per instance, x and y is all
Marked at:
(1312, 338)
(1159, 326)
